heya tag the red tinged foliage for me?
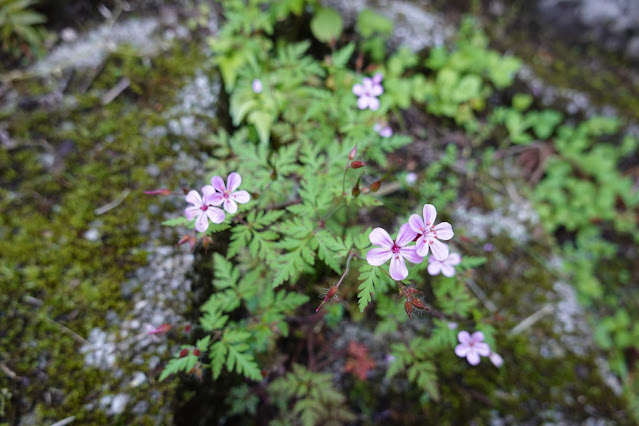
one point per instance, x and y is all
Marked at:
(359, 362)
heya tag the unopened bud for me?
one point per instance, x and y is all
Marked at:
(196, 352)
(355, 191)
(408, 307)
(164, 328)
(353, 153)
(161, 191)
(375, 186)
(329, 295)
(357, 164)
(187, 328)
(419, 304)
(183, 353)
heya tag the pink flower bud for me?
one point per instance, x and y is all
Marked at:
(375, 186)
(161, 191)
(357, 164)
(183, 353)
(353, 153)
(197, 352)
(164, 328)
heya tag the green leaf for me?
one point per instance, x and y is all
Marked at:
(262, 122)
(369, 23)
(176, 365)
(326, 25)
(341, 57)
(225, 274)
(374, 280)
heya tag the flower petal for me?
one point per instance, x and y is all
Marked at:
(439, 249)
(463, 337)
(378, 256)
(362, 102)
(430, 213)
(191, 212)
(482, 348)
(216, 199)
(202, 223)
(377, 78)
(447, 270)
(358, 89)
(207, 192)
(215, 215)
(380, 237)
(472, 358)
(367, 83)
(376, 90)
(241, 197)
(230, 206)
(416, 223)
(496, 359)
(422, 247)
(477, 337)
(461, 350)
(453, 259)
(218, 183)
(435, 267)
(233, 181)
(410, 253)
(373, 103)
(405, 235)
(398, 270)
(193, 197)
(444, 231)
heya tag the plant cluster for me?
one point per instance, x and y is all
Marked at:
(313, 143)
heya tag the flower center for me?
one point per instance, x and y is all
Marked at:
(226, 194)
(395, 248)
(204, 207)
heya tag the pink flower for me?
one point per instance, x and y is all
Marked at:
(445, 266)
(385, 131)
(257, 85)
(368, 92)
(203, 209)
(396, 251)
(227, 195)
(472, 346)
(431, 234)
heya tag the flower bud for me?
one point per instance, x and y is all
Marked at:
(161, 191)
(419, 304)
(357, 164)
(183, 353)
(164, 328)
(196, 352)
(355, 191)
(375, 186)
(353, 153)
(187, 328)
(408, 307)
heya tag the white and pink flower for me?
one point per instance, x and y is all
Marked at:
(395, 250)
(226, 195)
(472, 347)
(430, 234)
(445, 267)
(368, 92)
(203, 208)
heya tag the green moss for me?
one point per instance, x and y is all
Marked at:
(56, 284)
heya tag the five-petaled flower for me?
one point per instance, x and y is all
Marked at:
(445, 266)
(395, 250)
(368, 92)
(472, 346)
(383, 131)
(430, 234)
(203, 208)
(227, 195)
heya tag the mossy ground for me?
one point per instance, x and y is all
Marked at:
(56, 284)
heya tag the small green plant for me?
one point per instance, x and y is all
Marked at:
(19, 24)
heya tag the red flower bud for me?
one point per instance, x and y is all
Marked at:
(353, 153)
(197, 352)
(419, 304)
(187, 328)
(161, 191)
(357, 164)
(164, 328)
(183, 353)
(355, 191)
(375, 186)
(408, 307)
